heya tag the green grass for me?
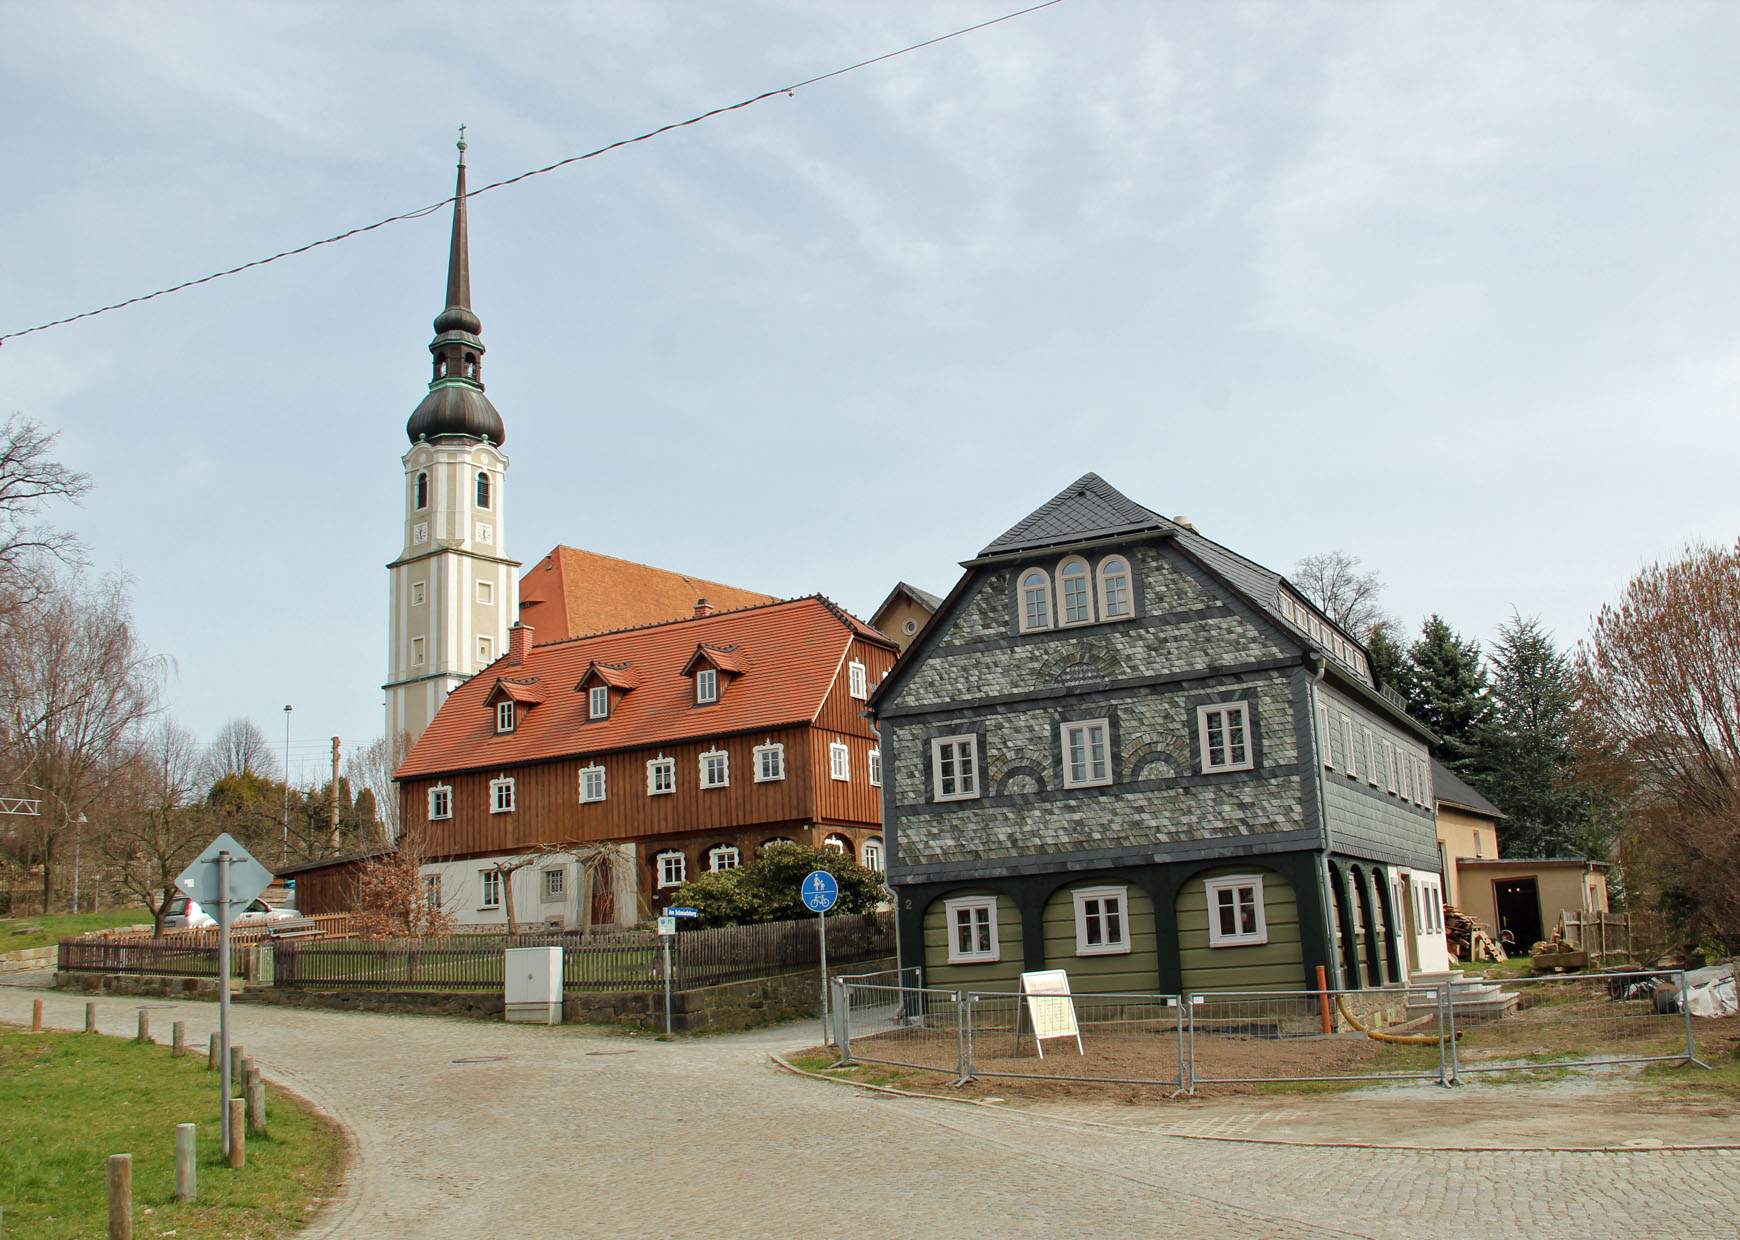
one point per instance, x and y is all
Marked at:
(19, 933)
(866, 1073)
(68, 1101)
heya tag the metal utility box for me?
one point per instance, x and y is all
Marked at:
(533, 980)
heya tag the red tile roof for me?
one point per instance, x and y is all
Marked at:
(616, 675)
(520, 690)
(790, 653)
(572, 593)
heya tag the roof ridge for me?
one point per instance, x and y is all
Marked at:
(663, 624)
(674, 572)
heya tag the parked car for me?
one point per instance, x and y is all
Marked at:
(186, 914)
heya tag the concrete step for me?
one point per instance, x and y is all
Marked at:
(1477, 1001)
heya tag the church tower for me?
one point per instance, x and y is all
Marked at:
(453, 590)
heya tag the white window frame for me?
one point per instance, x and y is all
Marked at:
(490, 879)
(967, 742)
(1373, 755)
(486, 593)
(444, 794)
(654, 768)
(857, 680)
(496, 788)
(598, 702)
(839, 844)
(1023, 623)
(661, 864)
(1232, 882)
(560, 874)
(956, 956)
(1349, 759)
(1101, 576)
(774, 750)
(706, 686)
(1243, 708)
(505, 717)
(724, 767)
(839, 762)
(1105, 947)
(873, 854)
(1066, 571)
(603, 788)
(719, 854)
(1086, 727)
(1326, 734)
(874, 763)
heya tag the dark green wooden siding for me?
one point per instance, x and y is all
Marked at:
(1275, 965)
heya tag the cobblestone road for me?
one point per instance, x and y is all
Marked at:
(467, 1129)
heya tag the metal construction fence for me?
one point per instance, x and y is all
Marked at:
(1442, 1033)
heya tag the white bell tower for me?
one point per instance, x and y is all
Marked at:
(453, 591)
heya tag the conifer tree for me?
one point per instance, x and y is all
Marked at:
(1446, 687)
(1526, 754)
(1388, 659)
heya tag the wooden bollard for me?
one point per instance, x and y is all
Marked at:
(90, 1018)
(120, 1197)
(235, 1066)
(186, 1163)
(36, 1016)
(256, 1097)
(212, 1054)
(238, 1135)
(144, 1026)
(178, 1039)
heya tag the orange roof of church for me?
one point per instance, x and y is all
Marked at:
(571, 593)
(791, 653)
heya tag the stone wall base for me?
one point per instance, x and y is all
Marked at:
(140, 984)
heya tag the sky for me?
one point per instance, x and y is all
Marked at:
(1449, 288)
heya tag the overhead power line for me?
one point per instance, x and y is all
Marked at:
(420, 212)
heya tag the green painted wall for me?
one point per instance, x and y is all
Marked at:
(1004, 974)
(1275, 965)
(1134, 972)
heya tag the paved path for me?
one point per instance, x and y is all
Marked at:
(466, 1129)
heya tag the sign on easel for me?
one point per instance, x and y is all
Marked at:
(1049, 1009)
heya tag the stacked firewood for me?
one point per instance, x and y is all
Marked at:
(1468, 939)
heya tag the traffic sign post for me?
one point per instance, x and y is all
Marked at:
(224, 877)
(667, 932)
(820, 891)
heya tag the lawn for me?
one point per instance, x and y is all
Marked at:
(68, 1101)
(18, 933)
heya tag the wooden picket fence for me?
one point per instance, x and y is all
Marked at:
(151, 957)
(1604, 936)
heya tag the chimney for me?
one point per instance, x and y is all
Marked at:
(702, 608)
(1186, 522)
(519, 641)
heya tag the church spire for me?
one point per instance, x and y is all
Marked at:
(456, 404)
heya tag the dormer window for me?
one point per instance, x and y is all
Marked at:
(504, 716)
(1074, 594)
(482, 488)
(1035, 600)
(598, 702)
(706, 686)
(422, 490)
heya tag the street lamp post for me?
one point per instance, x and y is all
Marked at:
(286, 860)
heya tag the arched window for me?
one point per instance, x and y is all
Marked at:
(1115, 601)
(723, 857)
(839, 844)
(778, 839)
(1035, 600)
(482, 489)
(471, 365)
(422, 490)
(1075, 598)
(441, 368)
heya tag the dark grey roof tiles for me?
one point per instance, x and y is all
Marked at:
(1448, 786)
(1089, 507)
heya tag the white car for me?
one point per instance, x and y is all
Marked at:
(185, 914)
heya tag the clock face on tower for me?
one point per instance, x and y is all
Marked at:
(485, 533)
(420, 533)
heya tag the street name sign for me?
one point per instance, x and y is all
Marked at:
(248, 878)
(820, 891)
(682, 912)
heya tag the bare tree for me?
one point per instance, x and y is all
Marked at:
(1351, 597)
(77, 683)
(241, 748)
(157, 822)
(393, 897)
(30, 480)
(1658, 685)
(372, 767)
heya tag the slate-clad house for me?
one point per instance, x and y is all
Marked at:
(1126, 751)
